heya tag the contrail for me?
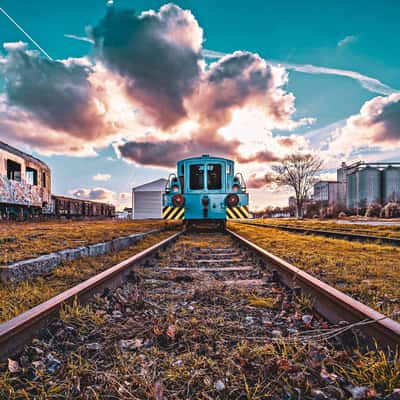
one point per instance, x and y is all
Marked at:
(25, 33)
(367, 82)
(80, 38)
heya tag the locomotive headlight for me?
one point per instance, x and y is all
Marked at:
(175, 188)
(235, 188)
(232, 200)
(178, 200)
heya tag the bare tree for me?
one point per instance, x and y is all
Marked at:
(298, 171)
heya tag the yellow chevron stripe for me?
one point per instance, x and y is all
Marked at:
(230, 214)
(166, 211)
(245, 211)
(173, 213)
(236, 212)
(180, 214)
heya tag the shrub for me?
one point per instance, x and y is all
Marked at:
(391, 210)
(373, 210)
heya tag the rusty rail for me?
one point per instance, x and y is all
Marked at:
(330, 234)
(332, 304)
(21, 329)
(329, 302)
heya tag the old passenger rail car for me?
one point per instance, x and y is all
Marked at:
(25, 184)
(205, 189)
(25, 191)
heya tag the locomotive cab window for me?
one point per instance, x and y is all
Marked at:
(196, 181)
(214, 177)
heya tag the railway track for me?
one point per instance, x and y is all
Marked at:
(330, 234)
(231, 289)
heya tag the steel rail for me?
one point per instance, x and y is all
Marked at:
(329, 302)
(331, 234)
(332, 304)
(21, 329)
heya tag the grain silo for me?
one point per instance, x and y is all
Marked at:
(391, 184)
(351, 191)
(368, 186)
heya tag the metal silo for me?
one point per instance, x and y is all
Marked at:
(391, 184)
(351, 199)
(369, 186)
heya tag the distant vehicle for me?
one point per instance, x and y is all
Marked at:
(25, 191)
(205, 189)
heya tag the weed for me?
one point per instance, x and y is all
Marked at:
(368, 272)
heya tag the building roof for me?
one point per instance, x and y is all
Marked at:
(326, 181)
(154, 186)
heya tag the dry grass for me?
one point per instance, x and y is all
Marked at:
(367, 272)
(16, 298)
(392, 231)
(183, 354)
(23, 240)
(159, 337)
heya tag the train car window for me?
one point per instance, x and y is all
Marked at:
(196, 177)
(214, 177)
(13, 170)
(44, 179)
(31, 176)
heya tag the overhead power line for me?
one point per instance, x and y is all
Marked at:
(25, 33)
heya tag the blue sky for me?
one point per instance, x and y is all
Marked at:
(360, 37)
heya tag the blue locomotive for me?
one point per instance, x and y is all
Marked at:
(205, 188)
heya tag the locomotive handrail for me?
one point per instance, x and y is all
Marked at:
(242, 181)
(168, 183)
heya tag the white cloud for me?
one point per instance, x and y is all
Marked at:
(124, 200)
(367, 82)
(328, 176)
(14, 45)
(377, 125)
(347, 40)
(102, 177)
(95, 194)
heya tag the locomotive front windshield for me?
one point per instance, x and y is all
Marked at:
(214, 177)
(196, 177)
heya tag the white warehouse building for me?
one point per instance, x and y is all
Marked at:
(147, 200)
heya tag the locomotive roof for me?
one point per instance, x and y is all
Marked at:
(205, 157)
(13, 150)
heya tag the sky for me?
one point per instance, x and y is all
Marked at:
(112, 93)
